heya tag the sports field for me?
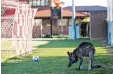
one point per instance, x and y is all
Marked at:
(54, 59)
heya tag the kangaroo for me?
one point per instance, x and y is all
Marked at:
(85, 49)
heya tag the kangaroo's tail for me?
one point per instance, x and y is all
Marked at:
(97, 66)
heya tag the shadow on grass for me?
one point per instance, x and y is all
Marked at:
(64, 43)
(51, 61)
(55, 65)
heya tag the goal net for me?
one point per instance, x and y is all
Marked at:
(17, 23)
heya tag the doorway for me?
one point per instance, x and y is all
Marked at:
(84, 30)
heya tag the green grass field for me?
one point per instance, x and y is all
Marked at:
(54, 59)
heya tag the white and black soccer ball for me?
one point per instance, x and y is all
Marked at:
(35, 58)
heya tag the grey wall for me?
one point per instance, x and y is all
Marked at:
(98, 25)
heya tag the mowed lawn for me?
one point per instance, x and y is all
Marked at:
(54, 59)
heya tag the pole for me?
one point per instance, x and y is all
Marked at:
(112, 23)
(51, 27)
(73, 11)
(109, 21)
(73, 19)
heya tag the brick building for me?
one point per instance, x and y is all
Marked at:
(42, 22)
(97, 23)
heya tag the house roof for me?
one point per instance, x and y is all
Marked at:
(87, 8)
(65, 13)
(43, 8)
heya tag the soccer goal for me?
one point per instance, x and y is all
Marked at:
(17, 23)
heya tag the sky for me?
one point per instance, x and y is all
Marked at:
(85, 2)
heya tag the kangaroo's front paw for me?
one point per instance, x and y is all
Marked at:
(89, 69)
(79, 69)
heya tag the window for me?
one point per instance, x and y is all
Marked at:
(70, 21)
(35, 3)
(38, 22)
(42, 2)
(46, 2)
(30, 2)
(62, 22)
(38, 3)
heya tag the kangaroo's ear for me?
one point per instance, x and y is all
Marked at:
(68, 53)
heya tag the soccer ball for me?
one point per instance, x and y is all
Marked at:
(35, 58)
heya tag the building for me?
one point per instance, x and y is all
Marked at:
(60, 26)
(97, 20)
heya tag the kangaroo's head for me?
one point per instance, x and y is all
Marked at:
(72, 58)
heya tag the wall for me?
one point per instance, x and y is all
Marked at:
(56, 28)
(98, 25)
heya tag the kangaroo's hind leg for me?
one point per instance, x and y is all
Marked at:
(91, 57)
